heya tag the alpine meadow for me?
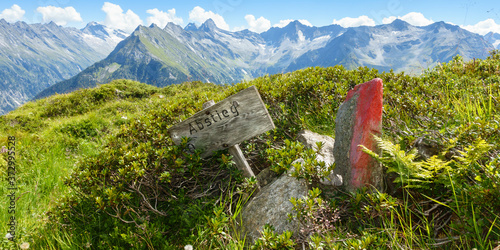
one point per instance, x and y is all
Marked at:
(96, 168)
(249, 125)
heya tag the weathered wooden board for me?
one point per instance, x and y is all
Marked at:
(226, 123)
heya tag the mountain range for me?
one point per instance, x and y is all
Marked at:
(36, 56)
(493, 38)
(172, 54)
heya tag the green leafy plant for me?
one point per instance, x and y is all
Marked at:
(301, 162)
(411, 174)
(463, 178)
(98, 170)
(272, 240)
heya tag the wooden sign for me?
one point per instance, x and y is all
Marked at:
(226, 123)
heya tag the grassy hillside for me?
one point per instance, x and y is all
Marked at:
(97, 169)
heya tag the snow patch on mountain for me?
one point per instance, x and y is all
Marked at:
(102, 38)
(496, 44)
(301, 36)
(493, 38)
(50, 53)
(173, 54)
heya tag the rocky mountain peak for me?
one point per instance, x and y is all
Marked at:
(399, 25)
(139, 29)
(207, 53)
(52, 24)
(296, 24)
(92, 23)
(293, 31)
(208, 26)
(493, 38)
(439, 26)
(173, 28)
(191, 26)
(96, 29)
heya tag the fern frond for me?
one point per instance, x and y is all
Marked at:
(411, 174)
(473, 153)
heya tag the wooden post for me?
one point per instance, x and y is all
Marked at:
(241, 161)
(235, 151)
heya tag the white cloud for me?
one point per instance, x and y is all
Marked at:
(284, 23)
(347, 22)
(483, 27)
(305, 22)
(116, 19)
(388, 20)
(161, 18)
(257, 25)
(413, 18)
(14, 14)
(58, 15)
(199, 15)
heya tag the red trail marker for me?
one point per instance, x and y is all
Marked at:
(358, 119)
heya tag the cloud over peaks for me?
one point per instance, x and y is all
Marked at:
(161, 18)
(284, 23)
(199, 15)
(14, 14)
(348, 22)
(257, 25)
(58, 15)
(483, 27)
(413, 18)
(116, 19)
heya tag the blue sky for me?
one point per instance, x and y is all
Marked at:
(256, 15)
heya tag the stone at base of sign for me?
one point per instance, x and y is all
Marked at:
(272, 206)
(358, 119)
(309, 139)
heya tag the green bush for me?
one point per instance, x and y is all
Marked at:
(131, 187)
(84, 128)
(282, 159)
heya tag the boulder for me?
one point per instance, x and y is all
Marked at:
(272, 206)
(359, 118)
(309, 139)
(426, 147)
(266, 176)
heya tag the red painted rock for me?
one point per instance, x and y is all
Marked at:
(358, 119)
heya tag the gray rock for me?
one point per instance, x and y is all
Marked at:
(343, 136)
(271, 206)
(427, 148)
(332, 179)
(309, 139)
(266, 176)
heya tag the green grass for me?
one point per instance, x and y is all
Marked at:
(52, 135)
(90, 162)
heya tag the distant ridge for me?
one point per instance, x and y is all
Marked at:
(493, 38)
(206, 53)
(35, 56)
